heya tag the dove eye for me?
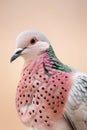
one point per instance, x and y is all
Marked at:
(33, 41)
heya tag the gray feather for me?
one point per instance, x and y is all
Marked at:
(76, 106)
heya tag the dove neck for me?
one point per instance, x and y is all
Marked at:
(57, 64)
(49, 60)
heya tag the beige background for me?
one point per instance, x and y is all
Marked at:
(64, 22)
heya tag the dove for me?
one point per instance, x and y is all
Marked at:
(50, 95)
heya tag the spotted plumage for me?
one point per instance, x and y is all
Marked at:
(47, 88)
(42, 92)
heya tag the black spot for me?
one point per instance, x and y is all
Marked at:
(45, 91)
(51, 89)
(20, 95)
(40, 76)
(44, 78)
(40, 116)
(66, 76)
(40, 111)
(37, 90)
(19, 90)
(46, 81)
(43, 107)
(57, 97)
(25, 79)
(45, 120)
(28, 95)
(62, 87)
(54, 85)
(26, 101)
(20, 102)
(33, 111)
(52, 77)
(21, 113)
(33, 86)
(47, 117)
(29, 73)
(58, 79)
(44, 97)
(60, 92)
(55, 111)
(49, 94)
(62, 102)
(37, 83)
(41, 95)
(62, 82)
(65, 90)
(25, 86)
(29, 77)
(34, 96)
(30, 113)
(38, 98)
(42, 88)
(52, 96)
(35, 120)
(53, 102)
(23, 95)
(49, 104)
(36, 72)
(53, 81)
(47, 100)
(37, 102)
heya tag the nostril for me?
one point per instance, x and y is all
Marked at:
(18, 52)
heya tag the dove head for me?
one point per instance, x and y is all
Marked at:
(30, 44)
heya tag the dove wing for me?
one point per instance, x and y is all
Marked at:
(76, 107)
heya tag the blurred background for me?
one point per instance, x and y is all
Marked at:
(64, 22)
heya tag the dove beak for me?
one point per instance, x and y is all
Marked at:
(16, 54)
